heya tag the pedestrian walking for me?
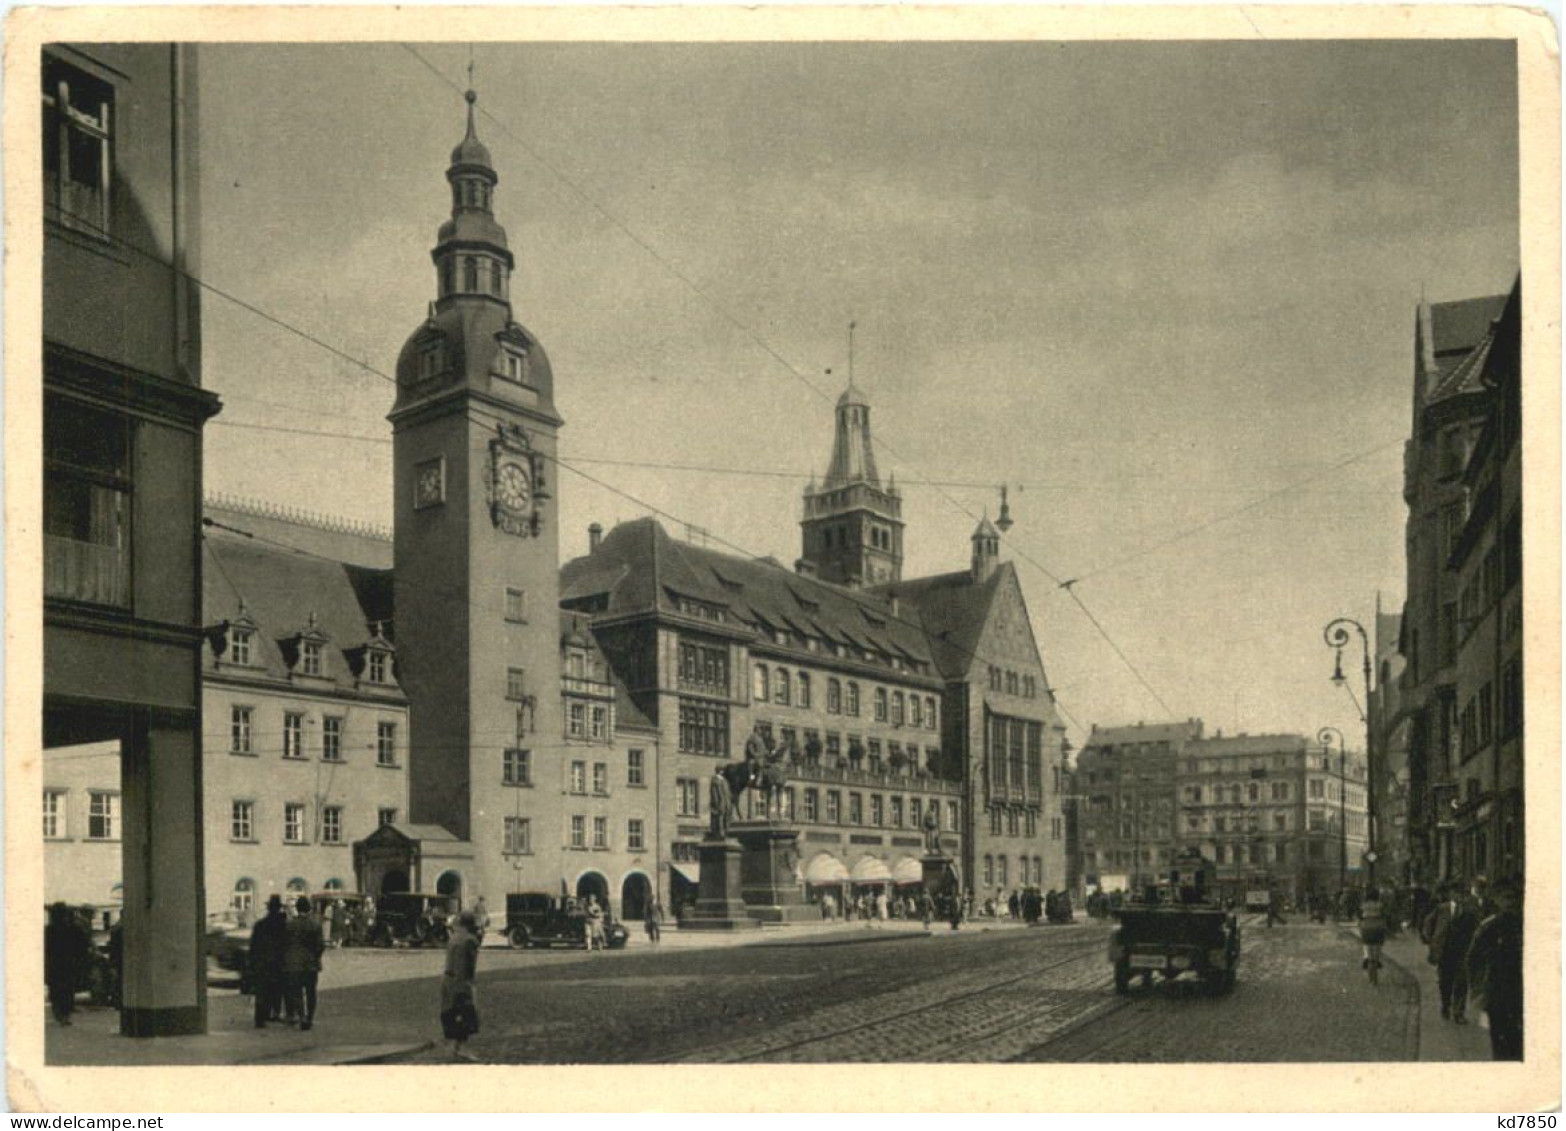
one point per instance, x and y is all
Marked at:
(264, 964)
(1451, 931)
(339, 922)
(303, 945)
(882, 905)
(654, 920)
(927, 909)
(595, 924)
(480, 919)
(1274, 910)
(1495, 971)
(65, 960)
(459, 1018)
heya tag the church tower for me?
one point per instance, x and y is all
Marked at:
(853, 527)
(477, 554)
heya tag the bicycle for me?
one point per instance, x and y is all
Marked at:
(1373, 962)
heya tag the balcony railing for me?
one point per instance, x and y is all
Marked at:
(885, 779)
(86, 571)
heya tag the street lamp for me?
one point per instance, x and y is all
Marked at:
(1337, 636)
(1324, 736)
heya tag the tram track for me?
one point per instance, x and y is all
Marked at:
(1008, 1015)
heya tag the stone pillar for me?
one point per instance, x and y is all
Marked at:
(769, 880)
(164, 915)
(719, 906)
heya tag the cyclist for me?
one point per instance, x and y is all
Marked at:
(1372, 927)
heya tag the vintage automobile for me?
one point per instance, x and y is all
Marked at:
(1185, 931)
(536, 918)
(413, 919)
(356, 924)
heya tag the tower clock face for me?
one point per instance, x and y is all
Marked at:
(429, 484)
(513, 487)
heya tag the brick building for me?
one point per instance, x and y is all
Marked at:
(1125, 786)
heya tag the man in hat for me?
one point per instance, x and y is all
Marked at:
(303, 945)
(265, 961)
(1495, 971)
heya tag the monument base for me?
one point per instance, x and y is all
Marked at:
(719, 906)
(769, 873)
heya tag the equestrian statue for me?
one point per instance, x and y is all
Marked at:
(765, 768)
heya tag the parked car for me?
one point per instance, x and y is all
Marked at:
(413, 919)
(356, 930)
(541, 919)
(228, 945)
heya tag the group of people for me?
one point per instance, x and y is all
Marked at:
(68, 960)
(1474, 940)
(284, 964)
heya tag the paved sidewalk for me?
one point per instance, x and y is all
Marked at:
(1439, 1039)
(93, 1038)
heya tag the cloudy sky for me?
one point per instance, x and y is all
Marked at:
(1164, 291)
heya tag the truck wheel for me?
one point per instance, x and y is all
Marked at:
(1122, 977)
(517, 937)
(439, 935)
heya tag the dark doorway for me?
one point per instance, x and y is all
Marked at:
(393, 881)
(450, 883)
(594, 884)
(635, 893)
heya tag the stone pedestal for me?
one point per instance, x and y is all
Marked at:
(939, 871)
(769, 873)
(719, 906)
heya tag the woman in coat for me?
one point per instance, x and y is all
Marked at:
(458, 1013)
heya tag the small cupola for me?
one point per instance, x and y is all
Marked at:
(986, 549)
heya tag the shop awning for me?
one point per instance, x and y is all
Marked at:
(908, 871)
(824, 868)
(691, 872)
(870, 868)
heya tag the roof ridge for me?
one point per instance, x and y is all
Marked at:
(298, 516)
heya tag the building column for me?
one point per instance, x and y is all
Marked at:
(164, 917)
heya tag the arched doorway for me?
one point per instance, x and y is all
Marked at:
(450, 883)
(594, 884)
(635, 894)
(394, 881)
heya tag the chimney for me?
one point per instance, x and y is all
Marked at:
(595, 535)
(804, 567)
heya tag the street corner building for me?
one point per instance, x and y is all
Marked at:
(445, 707)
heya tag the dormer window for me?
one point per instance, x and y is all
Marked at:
(378, 666)
(310, 653)
(514, 365)
(432, 360)
(239, 642)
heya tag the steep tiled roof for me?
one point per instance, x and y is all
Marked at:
(953, 611)
(638, 568)
(1461, 325)
(281, 590)
(1249, 744)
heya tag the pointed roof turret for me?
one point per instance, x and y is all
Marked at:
(470, 150)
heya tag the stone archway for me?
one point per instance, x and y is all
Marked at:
(594, 884)
(635, 895)
(449, 883)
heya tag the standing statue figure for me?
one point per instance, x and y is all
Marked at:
(932, 832)
(720, 806)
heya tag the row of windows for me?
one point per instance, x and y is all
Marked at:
(778, 685)
(296, 746)
(1015, 757)
(243, 824)
(582, 833)
(1476, 726)
(310, 659)
(1021, 822)
(103, 814)
(1236, 794)
(244, 897)
(884, 812)
(480, 274)
(997, 871)
(593, 722)
(704, 667)
(1013, 683)
(1251, 823)
(857, 750)
(704, 728)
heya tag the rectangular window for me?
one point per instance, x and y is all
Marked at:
(834, 807)
(635, 835)
(103, 816)
(576, 720)
(851, 705)
(519, 836)
(293, 823)
(880, 704)
(239, 730)
(1486, 714)
(704, 728)
(516, 605)
(1317, 819)
(856, 809)
(293, 735)
(578, 831)
(239, 641)
(516, 683)
(812, 804)
(516, 766)
(378, 666)
(87, 504)
(385, 815)
(385, 743)
(331, 738)
(601, 778)
(689, 797)
(578, 777)
(995, 822)
(600, 832)
(951, 815)
(897, 812)
(54, 825)
(310, 658)
(915, 812)
(332, 824)
(77, 119)
(1000, 871)
(600, 722)
(877, 817)
(241, 818)
(635, 770)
